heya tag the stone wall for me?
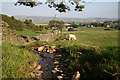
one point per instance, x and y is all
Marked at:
(47, 37)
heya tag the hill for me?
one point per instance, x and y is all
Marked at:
(42, 19)
(19, 25)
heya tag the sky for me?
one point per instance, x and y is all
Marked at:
(108, 9)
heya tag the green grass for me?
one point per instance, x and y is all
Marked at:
(89, 29)
(103, 63)
(38, 24)
(94, 37)
(31, 33)
(15, 61)
(98, 38)
(98, 64)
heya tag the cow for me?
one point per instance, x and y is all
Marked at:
(71, 36)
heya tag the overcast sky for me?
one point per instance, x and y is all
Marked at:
(94, 9)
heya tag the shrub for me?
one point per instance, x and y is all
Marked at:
(13, 23)
(71, 29)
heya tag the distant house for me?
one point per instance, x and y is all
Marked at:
(88, 25)
(91, 26)
(107, 25)
(101, 22)
(68, 28)
(54, 27)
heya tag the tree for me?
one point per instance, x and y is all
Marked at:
(59, 5)
(73, 25)
(55, 24)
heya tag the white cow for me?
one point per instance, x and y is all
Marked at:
(71, 36)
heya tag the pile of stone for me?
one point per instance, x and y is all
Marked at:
(43, 49)
(36, 70)
(9, 35)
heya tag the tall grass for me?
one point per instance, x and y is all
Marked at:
(15, 61)
(93, 65)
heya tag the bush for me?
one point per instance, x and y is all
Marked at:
(71, 29)
(13, 23)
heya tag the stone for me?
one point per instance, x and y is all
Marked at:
(38, 73)
(39, 67)
(32, 74)
(40, 48)
(48, 51)
(41, 72)
(56, 62)
(54, 50)
(51, 51)
(60, 77)
(53, 71)
(56, 69)
(63, 74)
(33, 64)
(53, 47)
(57, 66)
(59, 55)
(76, 76)
(95, 48)
(80, 53)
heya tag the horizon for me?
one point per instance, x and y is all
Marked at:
(62, 17)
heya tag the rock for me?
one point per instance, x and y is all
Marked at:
(57, 66)
(38, 67)
(59, 55)
(32, 74)
(64, 39)
(53, 47)
(60, 77)
(63, 74)
(54, 50)
(41, 72)
(44, 43)
(56, 62)
(44, 50)
(53, 71)
(48, 51)
(56, 69)
(33, 64)
(80, 53)
(51, 51)
(95, 48)
(41, 48)
(38, 73)
(76, 76)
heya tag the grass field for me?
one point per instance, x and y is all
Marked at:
(94, 28)
(97, 38)
(93, 37)
(103, 63)
(31, 33)
(41, 24)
